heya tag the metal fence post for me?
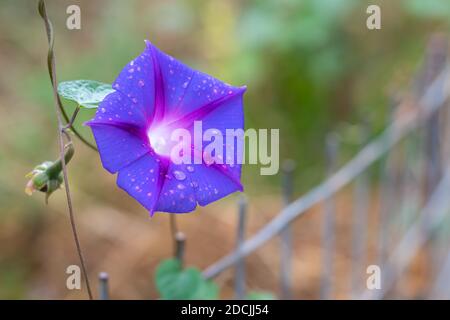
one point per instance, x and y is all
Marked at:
(103, 286)
(180, 244)
(286, 234)
(359, 225)
(239, 284)
(329, 221)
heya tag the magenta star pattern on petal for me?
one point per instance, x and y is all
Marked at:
(155, 94)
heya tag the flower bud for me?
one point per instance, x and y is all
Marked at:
(47, 177)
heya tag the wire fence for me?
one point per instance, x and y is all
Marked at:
(414, 206)
(414, 203)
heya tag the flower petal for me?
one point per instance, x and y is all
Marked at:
(211, 184)
(230, 115)
(118, 107)
(137, 82)
(177, 194)
(117, 146)
(214, 181)
(185, 89)
(142, 181)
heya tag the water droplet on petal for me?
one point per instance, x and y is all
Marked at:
(179, 175)
(181, 186)
(141, 83)
(194, 184)
(190, 168)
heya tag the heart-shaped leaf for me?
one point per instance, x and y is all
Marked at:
(174, 283)
(86, 93)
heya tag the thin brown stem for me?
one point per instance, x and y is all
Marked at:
(173, 225)
(69, 125)
(69, 121)
(180, 240)
(59, 115)
(174, 233)
(50, 65)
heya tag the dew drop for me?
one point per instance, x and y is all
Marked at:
(179, 175)
(141, 83)
(181, 186)
(190, 168)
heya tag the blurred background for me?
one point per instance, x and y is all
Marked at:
(312, 68)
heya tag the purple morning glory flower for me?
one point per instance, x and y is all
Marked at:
(154, 95)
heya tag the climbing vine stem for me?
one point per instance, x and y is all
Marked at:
(61, 114)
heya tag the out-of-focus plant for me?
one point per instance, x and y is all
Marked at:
(175, 282)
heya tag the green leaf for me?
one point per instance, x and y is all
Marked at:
(263, 295)
(86, 93)
(207, 290)
(173, 282)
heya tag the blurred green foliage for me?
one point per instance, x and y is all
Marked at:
(177, 283)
